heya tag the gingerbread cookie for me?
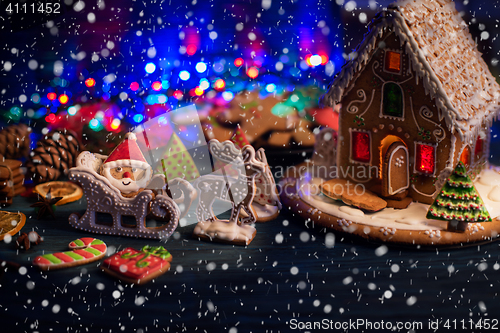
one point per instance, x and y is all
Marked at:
(266, 121)
(138, 267)
(82, 251)
(11, 223)
(11, 181)
(350, 194)
(225, 232)
(240, 192)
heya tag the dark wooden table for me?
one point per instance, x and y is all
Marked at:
(285, 278)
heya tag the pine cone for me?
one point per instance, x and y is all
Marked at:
(15, 141)
(53, 156)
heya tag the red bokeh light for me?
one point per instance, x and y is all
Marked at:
(51, 118)
(134, 86)
(90, 82)
(178, 94)
(219, 84)
(238, 62)
(191, 49)
(156, 86)
(253, 72)
(51, 96)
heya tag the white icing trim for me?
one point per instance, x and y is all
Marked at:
(126, 162)
(451, 158)
(407, 162)
(422, 193)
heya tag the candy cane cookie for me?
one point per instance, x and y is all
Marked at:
(83, 251)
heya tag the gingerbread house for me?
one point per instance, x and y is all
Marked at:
(416, 98)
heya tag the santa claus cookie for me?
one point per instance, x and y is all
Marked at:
(124, 188)
(126, 168)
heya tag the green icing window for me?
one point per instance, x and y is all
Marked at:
(393, 100)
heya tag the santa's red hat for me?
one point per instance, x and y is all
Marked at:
(127, 153)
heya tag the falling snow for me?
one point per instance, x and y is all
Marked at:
(293, 270)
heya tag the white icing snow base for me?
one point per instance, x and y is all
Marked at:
(225, 230)
(411, 218)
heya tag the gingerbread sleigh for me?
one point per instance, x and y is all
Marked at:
(122, 185)
(104, 194)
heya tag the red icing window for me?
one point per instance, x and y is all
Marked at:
(465, 157)
(425, 159)
(393, 61)
(360, 146)
(478, 151)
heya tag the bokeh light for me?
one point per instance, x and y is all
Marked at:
(150, 68)
(90, 82)
(63, 99)
(253, 72)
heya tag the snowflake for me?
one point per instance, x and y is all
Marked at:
(433, 233)
(386, 231)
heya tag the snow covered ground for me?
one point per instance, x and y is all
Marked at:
(411, 218)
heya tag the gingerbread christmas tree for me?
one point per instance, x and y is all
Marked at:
(458, 202)
(239, 137)
(177, 162)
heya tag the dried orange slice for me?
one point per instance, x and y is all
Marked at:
(11, 223)
(68, 191)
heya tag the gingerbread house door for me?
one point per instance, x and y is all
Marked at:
(395, 169)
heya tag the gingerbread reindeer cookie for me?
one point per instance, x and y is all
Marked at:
(240, 192)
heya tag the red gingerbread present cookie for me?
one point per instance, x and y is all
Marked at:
(138, 267)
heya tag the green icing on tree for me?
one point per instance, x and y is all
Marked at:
(459, 200)
(177, 162)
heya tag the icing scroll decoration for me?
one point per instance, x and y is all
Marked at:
(354, 109)
(427, 114)
(369, 104)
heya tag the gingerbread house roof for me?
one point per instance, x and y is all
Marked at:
(444, 56)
